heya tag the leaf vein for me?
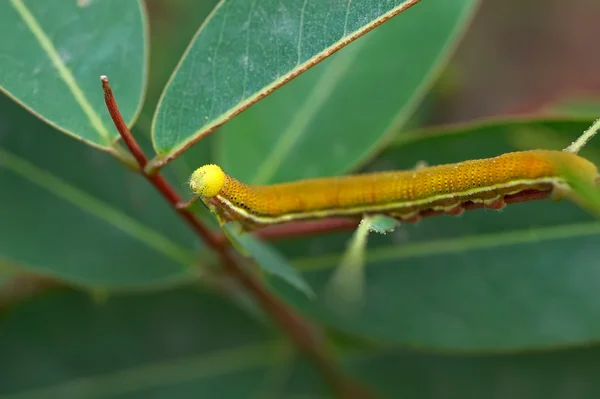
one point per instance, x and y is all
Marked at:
(94, 206)
(63, 71)
(458, 245)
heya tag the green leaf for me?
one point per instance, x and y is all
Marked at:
(172, 26)
(72, 212)
(561, 374)
(181, 344)
(189, 343)
(336, 115)
(54, 54)
(245, 50)
(267, 258)
(582, 192)
(524, 277)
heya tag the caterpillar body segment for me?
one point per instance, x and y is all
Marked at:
(406, 195)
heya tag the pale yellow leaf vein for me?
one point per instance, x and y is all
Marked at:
(94, 206)
(63, 71)
(347, 16)
(157, 375)
(214, 60)
(459, 245)
(246, 60)
(300, 27)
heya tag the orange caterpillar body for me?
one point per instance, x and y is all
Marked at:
(405, 195)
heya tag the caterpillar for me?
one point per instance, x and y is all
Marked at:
(405, 195)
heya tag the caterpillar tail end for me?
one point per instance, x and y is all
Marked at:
(207, 180)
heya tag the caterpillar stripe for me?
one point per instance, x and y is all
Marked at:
(404, 195)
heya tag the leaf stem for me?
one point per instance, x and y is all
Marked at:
(578, 144)
(307, 337)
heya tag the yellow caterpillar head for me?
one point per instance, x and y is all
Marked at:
(207, 180)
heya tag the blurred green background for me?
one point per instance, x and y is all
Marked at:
(494, 305)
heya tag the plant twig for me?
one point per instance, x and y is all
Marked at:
(156, 180)
(578, 144)
(306, 336)
(307, 228)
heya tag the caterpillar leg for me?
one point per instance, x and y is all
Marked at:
(496, 204)
(560, 191)
(186, 205)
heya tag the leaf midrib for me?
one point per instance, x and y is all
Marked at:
(63, 71)
(159, 374)
(94, 206)
(456, 245)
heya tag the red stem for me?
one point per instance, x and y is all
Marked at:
(301, 332)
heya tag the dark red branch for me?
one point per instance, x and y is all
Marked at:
(301, 332)
(115, 114)
(306, 228)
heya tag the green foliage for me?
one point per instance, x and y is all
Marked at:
(485, 280)
(76, 214)
(193, 344)
(266, 257)
(52, 67)
(245, 50)
(162, 323)
(322, 114)
(86, 349)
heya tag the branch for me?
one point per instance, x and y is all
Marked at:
(300, 331)
(156, 180)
